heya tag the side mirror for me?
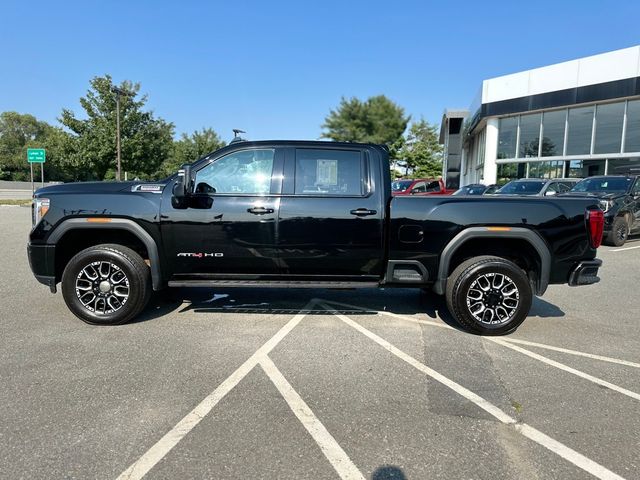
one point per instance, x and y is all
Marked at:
(182, 187)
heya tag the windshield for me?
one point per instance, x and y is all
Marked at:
(522, 188)
(401, 185)
(606, 184)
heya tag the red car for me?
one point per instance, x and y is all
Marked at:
(420, 186)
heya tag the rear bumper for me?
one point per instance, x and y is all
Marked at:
(42, 263)
(585, 273)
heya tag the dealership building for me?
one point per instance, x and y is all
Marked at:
(572, 119)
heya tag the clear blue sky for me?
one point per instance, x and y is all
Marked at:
(275, 68)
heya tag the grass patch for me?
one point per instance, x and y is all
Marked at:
(517, 406)
(15, 202)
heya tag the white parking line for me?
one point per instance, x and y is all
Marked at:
(331, 449)
(554, 446)
(163, 446)
(623, 249)
(566, 368)
(573, 352)
(506, 339)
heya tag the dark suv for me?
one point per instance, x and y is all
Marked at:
(619, 197)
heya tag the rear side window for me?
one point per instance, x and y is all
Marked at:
(329, 172)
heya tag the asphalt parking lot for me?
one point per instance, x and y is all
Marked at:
(263, 383)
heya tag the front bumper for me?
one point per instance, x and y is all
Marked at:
(585, 273)
(42, 263)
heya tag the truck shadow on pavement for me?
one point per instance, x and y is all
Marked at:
(268, 301)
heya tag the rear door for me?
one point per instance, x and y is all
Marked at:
(330, 217)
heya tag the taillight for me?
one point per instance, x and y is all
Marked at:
(595, 224)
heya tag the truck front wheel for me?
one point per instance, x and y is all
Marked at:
(489, 295)
(106, 284)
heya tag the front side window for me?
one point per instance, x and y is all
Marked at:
(329, 172)
(245, 172)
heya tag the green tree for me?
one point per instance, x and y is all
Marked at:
(376, 120)
(421, 151)
(189, 148)
(146, 141)
(18, 132)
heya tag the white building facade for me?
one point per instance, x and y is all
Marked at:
(573, 119)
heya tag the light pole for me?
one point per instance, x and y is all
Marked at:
(118, 92)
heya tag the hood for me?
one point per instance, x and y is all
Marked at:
(101, 187)
(599, 195)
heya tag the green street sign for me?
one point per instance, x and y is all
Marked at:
(36, 155)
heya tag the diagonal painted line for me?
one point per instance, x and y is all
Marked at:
(505, 339)
(341, 462)
(566, 368)
(625, 249)
(528, 431)
(573, 352)
(157, 452)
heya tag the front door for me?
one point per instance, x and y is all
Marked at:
(330, 220)
(229, 225)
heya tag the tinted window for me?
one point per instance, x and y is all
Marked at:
(580, 129)
(632, 136)
(328, 172)
(420, 187)
(605, 184)
(553, 124)
(522, 188)
(507, 137)
(609, 120)
(433, 186)
(401, 185)
(244, 172)
(529, 135)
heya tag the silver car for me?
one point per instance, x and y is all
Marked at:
(539, 187)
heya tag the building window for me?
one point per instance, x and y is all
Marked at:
(553, 124)
(511, 171)
(508, 131)
(529, 135)
(609, 120)
(632, 137)
(580, 129)
(546, 169)
(585, 168)
(623, 166)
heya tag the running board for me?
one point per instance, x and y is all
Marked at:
(270, 284)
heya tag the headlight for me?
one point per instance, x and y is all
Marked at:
(605, 204)
(40, 208)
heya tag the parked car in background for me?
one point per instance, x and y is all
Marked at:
(420, 186)
(538, 186)
(477, 189)
(619, 197)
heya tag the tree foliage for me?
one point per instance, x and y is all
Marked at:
(191, 147)
(146, 141)
(18, 132)
(376, 120)
(421, 151)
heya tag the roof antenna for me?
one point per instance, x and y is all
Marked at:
(236, 135)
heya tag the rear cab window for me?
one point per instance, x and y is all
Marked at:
(329, 172)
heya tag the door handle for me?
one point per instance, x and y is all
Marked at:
(363, 212)
(260, 210)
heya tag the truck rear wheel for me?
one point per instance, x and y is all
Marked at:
(106, 284)
(489, 295)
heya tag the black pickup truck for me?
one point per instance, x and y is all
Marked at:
(306, 214)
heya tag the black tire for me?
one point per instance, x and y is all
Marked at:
(122, 286)
(619, 232)
(470, 304)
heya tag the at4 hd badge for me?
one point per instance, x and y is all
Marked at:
(201, 254)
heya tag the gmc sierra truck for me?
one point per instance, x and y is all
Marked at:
(296, 214)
